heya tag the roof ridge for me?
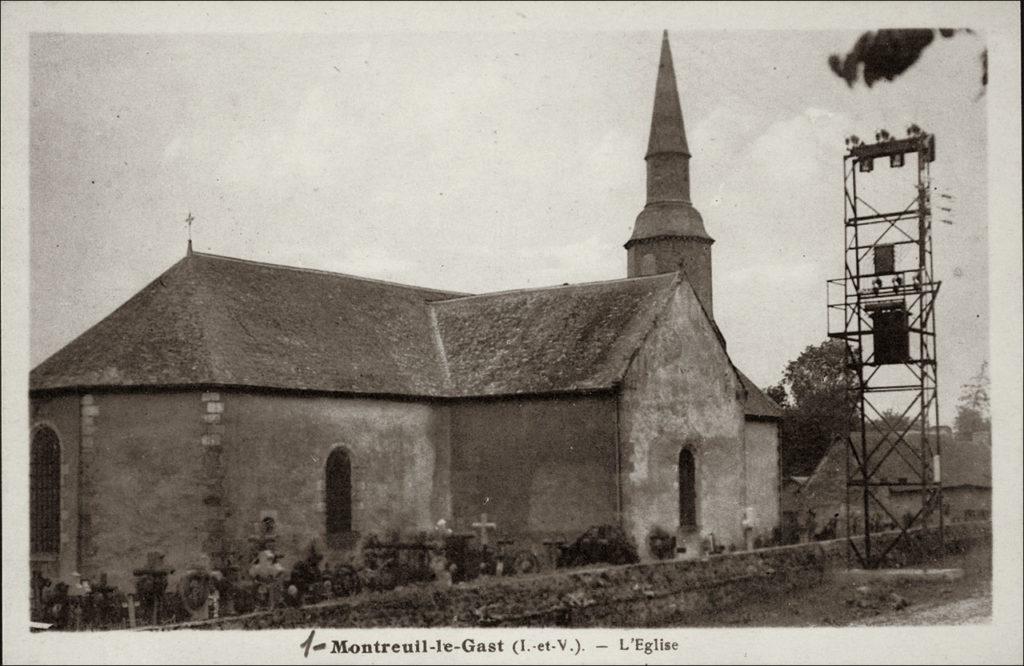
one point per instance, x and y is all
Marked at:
(442, 352)
(200, 319)
(90, 328)
(321, 271)
(554, 287)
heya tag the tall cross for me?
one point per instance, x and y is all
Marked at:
(483, 526)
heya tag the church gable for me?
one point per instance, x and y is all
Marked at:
(682, 394)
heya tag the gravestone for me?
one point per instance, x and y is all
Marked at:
(151, 583)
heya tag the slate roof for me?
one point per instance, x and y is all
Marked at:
(758, 405)
(963, 463)
(216, 320)
(668, 134)
(567, 338)
(219, 321)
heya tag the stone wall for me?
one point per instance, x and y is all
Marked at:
(142, 483)
(961, 502)
(666, 254)
(762, 452)
(681, 391)
(670, 593)
(275, 449)
(191, 474)
(544, 467)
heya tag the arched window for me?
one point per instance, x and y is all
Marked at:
(687, 490)
(338, 490)
(44, 491)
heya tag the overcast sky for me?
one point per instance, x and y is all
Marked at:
(483, 161)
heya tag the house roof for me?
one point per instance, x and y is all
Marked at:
(211, 320)
(963, 463)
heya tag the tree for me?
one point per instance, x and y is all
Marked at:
(972, 412)
(778, 394)
(821, 405)
(897, 420)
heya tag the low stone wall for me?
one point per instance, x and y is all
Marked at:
(650, 594)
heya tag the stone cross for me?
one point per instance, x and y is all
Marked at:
(131, 603)
(483, 526)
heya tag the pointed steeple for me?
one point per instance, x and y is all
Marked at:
(668, 134)
(669, 234)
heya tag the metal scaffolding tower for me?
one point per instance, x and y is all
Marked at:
(886, 301)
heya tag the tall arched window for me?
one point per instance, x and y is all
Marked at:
(44, 491)
(338, 490)
(687, 490)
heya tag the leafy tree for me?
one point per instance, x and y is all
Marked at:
(972, 412)
(821, 406)
(896, 420)
(778, 394)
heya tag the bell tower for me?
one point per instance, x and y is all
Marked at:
(669, 234)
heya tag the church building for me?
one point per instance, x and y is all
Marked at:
(228, 392)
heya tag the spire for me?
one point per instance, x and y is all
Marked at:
(668, 135)
(669, 234)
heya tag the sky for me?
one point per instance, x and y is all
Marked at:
(483, 161)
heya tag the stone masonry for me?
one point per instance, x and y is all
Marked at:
(213, 474)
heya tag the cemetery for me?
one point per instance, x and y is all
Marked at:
(445, 578)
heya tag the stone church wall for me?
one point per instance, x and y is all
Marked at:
(187, 473)
(762, 445)
(543, 467)
(681, 391)
(141, 482)
(275, 448)
(64, 415)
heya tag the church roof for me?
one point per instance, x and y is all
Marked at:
(758, 405)
(668, 133)
(566, 338)
(219, 321)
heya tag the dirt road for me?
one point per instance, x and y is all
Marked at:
(835, 603)
(973, 610)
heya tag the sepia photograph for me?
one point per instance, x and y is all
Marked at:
(512, 332)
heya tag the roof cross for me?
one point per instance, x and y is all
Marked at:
(189, 220)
